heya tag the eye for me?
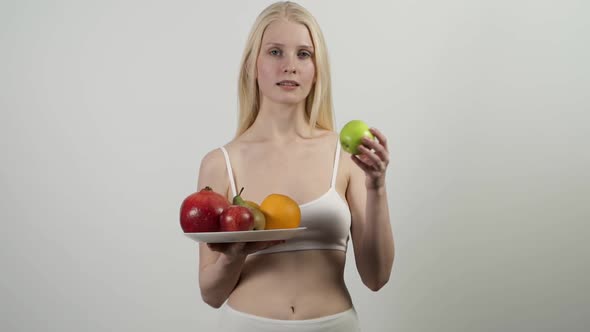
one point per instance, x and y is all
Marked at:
(304, 54)
(274, 51)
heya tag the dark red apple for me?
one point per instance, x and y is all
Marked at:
(236, 218)
(200, 211)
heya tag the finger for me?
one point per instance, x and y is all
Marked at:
(237, 247)
(372, 157)
(361, 163)
(251, 247)
(382, 139)
(274, 243)
(363, 156)
(214, 246)
(375, 161)
(257, 246)
(377, 147)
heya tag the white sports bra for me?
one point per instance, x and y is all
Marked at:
(327, 218)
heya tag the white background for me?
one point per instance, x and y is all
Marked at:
(107, 108)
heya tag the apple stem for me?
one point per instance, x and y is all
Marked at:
(207, 188)
(240, 193)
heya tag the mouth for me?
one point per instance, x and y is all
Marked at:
(288, 83)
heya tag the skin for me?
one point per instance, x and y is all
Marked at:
(277, 155)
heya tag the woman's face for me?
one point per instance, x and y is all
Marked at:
(286, 69)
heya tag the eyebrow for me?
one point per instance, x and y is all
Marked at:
(282, 45)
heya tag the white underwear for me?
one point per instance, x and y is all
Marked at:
(232, 320)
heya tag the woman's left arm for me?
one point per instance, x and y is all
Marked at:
(371, 231)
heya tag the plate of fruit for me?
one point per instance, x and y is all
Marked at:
(207, 216)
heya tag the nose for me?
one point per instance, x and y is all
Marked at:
(289, 66)
(290, 69)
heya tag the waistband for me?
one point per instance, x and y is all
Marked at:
(284, 322)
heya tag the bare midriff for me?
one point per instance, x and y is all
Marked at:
(292, 285)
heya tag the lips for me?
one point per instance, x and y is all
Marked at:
(288, 83)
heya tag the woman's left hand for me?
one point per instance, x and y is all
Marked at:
(373, 159)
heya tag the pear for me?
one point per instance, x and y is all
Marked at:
(259, 219)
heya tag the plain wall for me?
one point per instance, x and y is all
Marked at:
(107, 108)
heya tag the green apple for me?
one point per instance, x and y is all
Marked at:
(352, 134)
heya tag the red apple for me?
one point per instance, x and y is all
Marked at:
(200, 211)
(236, 218)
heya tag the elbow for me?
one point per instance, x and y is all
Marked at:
(376, 285)
(211, 298)
(215, 305)
(377, 281)
(380, 279)
(212, 301)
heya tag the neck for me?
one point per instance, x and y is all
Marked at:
(280, 123)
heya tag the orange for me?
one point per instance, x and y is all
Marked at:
(280, 211)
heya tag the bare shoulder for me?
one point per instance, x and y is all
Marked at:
(347, 166)
(212, 171)
(212, 160)
(235, 144)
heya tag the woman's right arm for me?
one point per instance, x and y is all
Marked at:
(220, 264)
(218, 274)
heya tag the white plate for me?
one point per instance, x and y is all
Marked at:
(246, 236)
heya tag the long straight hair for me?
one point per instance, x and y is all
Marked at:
(318, 104)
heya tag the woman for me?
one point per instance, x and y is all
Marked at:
(286, 144)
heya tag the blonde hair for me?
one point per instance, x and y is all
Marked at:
(318, 105)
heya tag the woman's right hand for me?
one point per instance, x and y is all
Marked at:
(241, 249)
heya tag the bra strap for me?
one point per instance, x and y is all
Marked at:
(229, 171)
(336, 159)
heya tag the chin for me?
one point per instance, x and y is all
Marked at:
(288, 100)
